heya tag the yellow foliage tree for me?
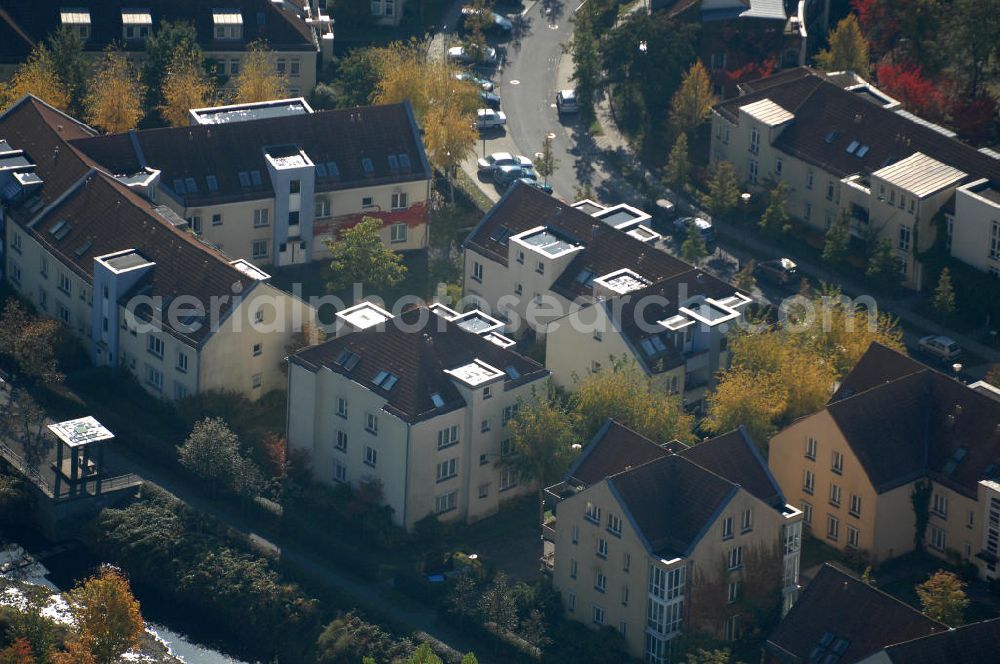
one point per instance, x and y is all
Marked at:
(38, 76)
(185, 86)
(848, 48)
(258, 79)
(115, 94)
(742, 396)
(107, 615)
(693, 101)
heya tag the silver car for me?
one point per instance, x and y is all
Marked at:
(941, 347)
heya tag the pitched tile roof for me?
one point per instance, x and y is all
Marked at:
(615, 448)
(735, 457)
(672, 502)
(969, 644)
(922, 424)
(880, 364)
(262, 19)
(829, 118)
(418, 347)
(224, 151)
(848, 617)
(605, 249)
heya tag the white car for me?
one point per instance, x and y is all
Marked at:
(943, 348)
(487, 118)
(485, 84)
(460, 54)
(497, 159)
(566, 102)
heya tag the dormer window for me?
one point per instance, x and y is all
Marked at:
(136, 24)
(77, 20)
(228, 24)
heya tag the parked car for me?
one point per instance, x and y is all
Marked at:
(779, 271)
(704, 227)
(497, 159)
(487, 118)
(484, 83)
(460, 54)
(504, 176)
(495, 22)
(491, 99)
(566, 102)
(943, 348)
(541, 186)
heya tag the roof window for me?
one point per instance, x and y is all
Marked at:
(368, 165)
(347, 359)
(244, 179)
(212, 182)
(833, 135)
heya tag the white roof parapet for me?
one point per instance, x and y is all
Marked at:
(475, 373)
(767, 112)
(81, 431)
(364, 315)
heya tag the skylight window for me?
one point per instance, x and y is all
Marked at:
(832, 136)
(404, 161)
(321, 170)
(213, 183)
(437, 400)
(244, 179)
(586, 276)
(653, 345)
(367, 164)
(332, 170)
(393, 163)
(385, 380)
(255, 178)
(61, 229)
(852, 147)
(191, 185)
(179, 186)
(83, 248)
(512, 372)
(862, 151)
(347, 359)
(501, 234)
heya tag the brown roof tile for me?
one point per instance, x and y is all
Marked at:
(969, 644)
(880, 364)
(614, 449)
(735, 457)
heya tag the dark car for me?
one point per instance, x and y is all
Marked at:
(704, 227)
(490, 99)
(541, 186)
(504, 176)
(782, 271)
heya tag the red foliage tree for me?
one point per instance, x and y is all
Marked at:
(751, 71)
(18, 652)
(272, 453)
(975, 120)
(915, 91)
(879, 25)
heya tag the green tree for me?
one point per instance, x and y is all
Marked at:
(968, 39)
(943, 300)
(161, 49)
(942, 598)
(30, 625)
(476, 23)
(546, 164)
(693, 101)
(723, 190)
(71, 65)
(360, 256)
(883, 265)
(357, 78)
(542, 432)
(694, 248)
(848, 49)
(702, 656)
(470, 658)
(423, 655)
(838, 236)
(677, 173)
(774, 221)
(107, 615)
(584, 49)
(497, 605)
(745, 278)
(212, 453)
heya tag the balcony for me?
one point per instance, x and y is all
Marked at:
(549, 529)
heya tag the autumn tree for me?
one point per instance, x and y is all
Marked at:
(743, 397)
(72, 66)
(115, 94)
(745, 278)
(993, 377)
(185, 86)
(702, 656)
(677, 172)
(106, 614)
(848, 49)
(942, 598)
(18, 652)
(258, 79)
(546, 164)
(360, 256)
(308, 335)
(838, 236)
(38, 75)
(774, 221)
(693, 101)
(694, 248)
(626, 394)
(161, 49)
(943, 299)
(77, 652)
(543, 435)
(30, 341)
(918, 93)
(723, 190)
(272, 452)
(476, 23)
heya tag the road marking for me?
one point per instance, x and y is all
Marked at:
(539, 155)
(553, 26)
(550, 135)
(553, 106)
(515, 82)
(529, 8)
(581, 5)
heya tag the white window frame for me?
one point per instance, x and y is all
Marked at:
(399, 201)
(371, 423)
(371, 456)
(256, 252)
(261, 218)
(397, 233)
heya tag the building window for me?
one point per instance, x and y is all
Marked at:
(397, 233)
(937, 538)
(293, 218)
(371, 456)
(727, 528)
(321, 208)
(217, 219)
(970, 520)
(508, 479)
(746, 521)
(832, 527)
(294, 67)
(855, 509)
(809, 179)
(279, 65)
(65, 285)
(63, 313)
(339, 472)
(753, 171)
(626, 561)
(904, 237)
(483, 460)
(399, 201)
(807, 512)
(602, 548)
(777, 167)
(939, 507)
(506, 446)
(811, 448)
(342, 441)
(615, 525)
(15, 272)
(754, 140)
(734, 591)
(371, 423)
(837, 463)
(571, 602)
(259, 249)
(342, 407)
(154, 378)
(829, 190)
(155, 346)
(43, 268)
(367, 201)
(593, 514)
(484, 490)
(15, 242)
(447, 470)
(446, 502)
(256, 381)
(448, 437)
(808, 482)
(195, 222)
(994, 240)
(600, 582)
(834, 495)
(807, 211)
(625, 594)
(484, 426)
(598, 615)
(575, 534)
(573, 568)
(260, 217)
(477, 271)
(182, 362)
(180, 391)
(257, 350)
(853, 537)
(736, 557)
(732, 629)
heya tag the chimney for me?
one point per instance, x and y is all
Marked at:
(593, 231)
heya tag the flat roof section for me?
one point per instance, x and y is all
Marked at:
(124, 261)
(546, 242)
(81, 431)
(622, 281)
(364, 315)
(621, 216)
(477, 322)
(767, 112)
(920, 175)
(475, 373)
(262, 110)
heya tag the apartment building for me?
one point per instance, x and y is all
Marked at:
(661, 541)
(419, 402)
(298, 34)
(841, 145)
(142, 294)
(894, 426)
(841, 619)
(272, 182)
(592, 283)
(387, 12)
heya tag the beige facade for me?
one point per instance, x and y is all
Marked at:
(973, 230)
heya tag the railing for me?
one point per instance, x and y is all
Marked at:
(68, 489)
(548, 561)
(549, 530)
(26, 469)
